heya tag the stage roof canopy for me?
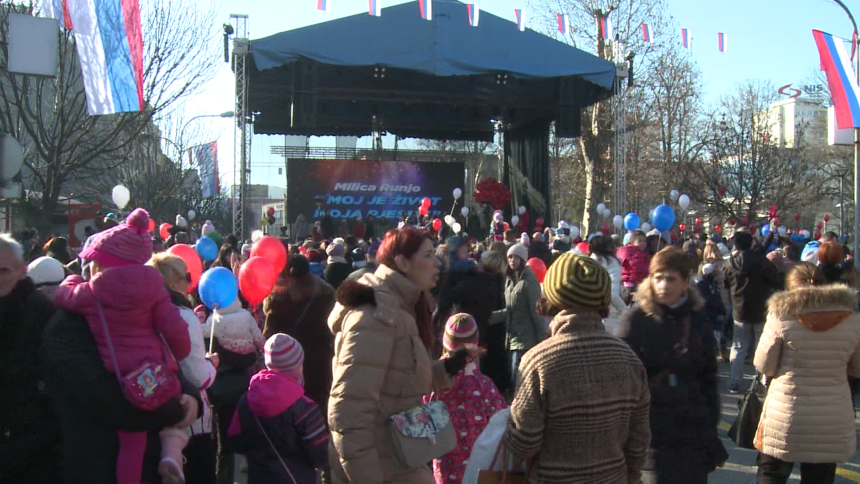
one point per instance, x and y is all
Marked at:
(439, 79)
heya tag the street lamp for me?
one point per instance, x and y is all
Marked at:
(842, 174)
(225, 114)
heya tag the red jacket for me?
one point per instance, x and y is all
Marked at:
(634, 265)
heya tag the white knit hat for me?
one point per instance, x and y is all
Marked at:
(708, 269)
(520, 251)
(46, 270)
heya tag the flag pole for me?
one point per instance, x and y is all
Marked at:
(856, 146)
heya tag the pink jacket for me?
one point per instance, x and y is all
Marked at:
(634, 265)
(137, 309)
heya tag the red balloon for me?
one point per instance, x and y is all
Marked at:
(151, 225)
(827, 218)
(797, 216)
(163, 231)
(437, 224)
(270, 212)
(422, 210)
(698, 221)
(506, 226)
(271, 249)
(192, 262)
(718, 228)
(817, 235)
(604, 227)
(426, 202)
(257, 278)
(682, 227)
(538, 267)
(819, 225)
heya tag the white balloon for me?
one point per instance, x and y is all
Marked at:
(618, 221)
(607, 213)
(574, 232)
(465, 211)
(561, 224)
(684, 201)
(457, 228)
(522, 210)
(646, 227)
(11, 157)
(191, 214)
(449, 220)
(457, 193)
(674, 195)
(782, 230)
(515, 220)
(120, 196)
(256, 235)
(805, 233)
(601, 208)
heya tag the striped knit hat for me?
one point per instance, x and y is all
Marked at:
(459, 330)
(283, 354)
(126, 244)
(577, 282)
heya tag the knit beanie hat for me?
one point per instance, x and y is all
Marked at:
(708, 269)
(577, 282)
(335, 250)
(181, 222)
(207, 228)
(459, 330)
(126, 244)
(46, 270)
(520, 251)
(524, 239)
(283, 354)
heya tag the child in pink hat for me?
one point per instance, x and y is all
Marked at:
(142, 323)
(472, 400)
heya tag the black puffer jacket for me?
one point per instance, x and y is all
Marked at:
(29, 432)
(751, 280)
(685, 402)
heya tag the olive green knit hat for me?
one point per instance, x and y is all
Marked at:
(577, 282)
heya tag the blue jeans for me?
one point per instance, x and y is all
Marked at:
(745, 339)
(514, 357)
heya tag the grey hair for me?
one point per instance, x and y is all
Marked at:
(9, 243)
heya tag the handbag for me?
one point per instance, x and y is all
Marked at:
(228, 387)
(421, 434)
(275, 450)
(504, 476)
(150, 385)
(743, 430)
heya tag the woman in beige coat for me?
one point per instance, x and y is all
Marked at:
(810, 339)
(383, 337)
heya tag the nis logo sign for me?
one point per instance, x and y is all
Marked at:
(814, 90)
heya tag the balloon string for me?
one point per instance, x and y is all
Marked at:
(212, 330)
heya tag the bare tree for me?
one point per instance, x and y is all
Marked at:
(64, 145)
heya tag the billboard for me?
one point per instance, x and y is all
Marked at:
(358, 188)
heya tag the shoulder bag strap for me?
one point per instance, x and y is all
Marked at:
(110, 343)
(274, 449)
(304, 311)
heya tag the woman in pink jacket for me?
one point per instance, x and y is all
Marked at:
(128, 299)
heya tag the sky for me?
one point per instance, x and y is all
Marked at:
(766, 39)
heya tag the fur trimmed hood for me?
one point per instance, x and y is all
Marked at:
(820, 308)
(648, 301)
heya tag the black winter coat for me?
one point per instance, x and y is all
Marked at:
(751, 280)
(29, 431)
(336, 272)
(541, 251)
(92, 407)
(685, 402)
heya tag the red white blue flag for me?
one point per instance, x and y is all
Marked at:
(57, 9)
(685, 38)
(606, 27)
(647, 36)
(721, 41)
(374, 7)
(426, 7)
(840, 78)
(521, 19)
(323, 5)
(205, 157)
(563, 23)
(110, 48)
(474, 14)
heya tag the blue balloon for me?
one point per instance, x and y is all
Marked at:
(218, 288)
(631, 221)
(207, 248)
(663, 218)
(765, 230)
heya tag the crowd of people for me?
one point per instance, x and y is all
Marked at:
(114, 372)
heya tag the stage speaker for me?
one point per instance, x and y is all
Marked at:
(568, 123)
(304, 109)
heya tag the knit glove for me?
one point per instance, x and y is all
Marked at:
(455, 363)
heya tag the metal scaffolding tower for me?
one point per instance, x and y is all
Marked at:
(623, 79)
(242, 129)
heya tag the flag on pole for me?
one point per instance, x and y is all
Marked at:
(205, 157)
(853, 44)
(426, 7)
(685, 38)
(840, 78)
(110, 47)
(721, 40)
(521, 19)
(474, 14)
(57, 9)
(563, 23)
(647, 36)
(606, 28)
(323, 5)
(374, 7)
